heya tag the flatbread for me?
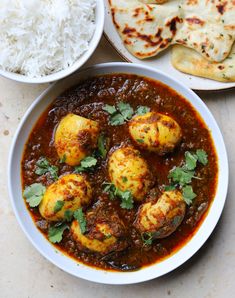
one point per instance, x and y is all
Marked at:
(189, 61)
(146, 29)
(208, 26)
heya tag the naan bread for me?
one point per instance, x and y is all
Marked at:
(146, 29)
(189, 61)
(208, 26)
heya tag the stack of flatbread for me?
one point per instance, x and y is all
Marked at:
(202, 32)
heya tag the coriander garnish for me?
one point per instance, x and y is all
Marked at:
(123, 112)
(126, 110)
(147, 238)
(120, 114)
(80, 217)
(58, 206)
(109, 109)
(102, 146)
(68, 215)
(43, 166)
(55, 233)
(190, 160)
(188, 194)
(141, 110)
(202, 156)
(63, 159)
(124, 179)
(182, 176)
(87, 164)
(169, 187)
(125, 196)
(140, 141)
(34, 194)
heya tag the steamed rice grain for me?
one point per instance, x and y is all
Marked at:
(40, 37)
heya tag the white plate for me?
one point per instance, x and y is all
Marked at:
(161, 62)
(44, 246)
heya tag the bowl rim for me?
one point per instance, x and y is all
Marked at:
(93, 43)
(191, 246)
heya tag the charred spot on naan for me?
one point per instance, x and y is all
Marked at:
(113, 17)
(222, 7)
(146, 15)
(195, 20)
(151, 40)
(192, 2)
(172, 24)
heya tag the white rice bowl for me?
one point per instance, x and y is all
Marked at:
(43, 37)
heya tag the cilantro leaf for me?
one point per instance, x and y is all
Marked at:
(110, 189)
(202, 156)
(40, 171)
(125, 196)
(63, 159)
(55, 233)
(43, 166)
(126, 110)
(88, 163)
(102, 146)
(124, 179)
(140, 141)
(190, 160)
(188, 194)
(109, 109)
(169, 187)
(79, 169)
(119, 115)
(53, 170)
(58, 206)
(34, 194)
(181, 176)
(116, 119)
(68, 215)
(123, 112)
(141, 110)
(80, 217)
(147, 238)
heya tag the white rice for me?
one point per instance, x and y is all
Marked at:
(40, 37)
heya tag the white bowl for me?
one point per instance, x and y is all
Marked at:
(69, 265)
(99, 26)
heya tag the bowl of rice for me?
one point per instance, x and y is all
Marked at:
(42, 41)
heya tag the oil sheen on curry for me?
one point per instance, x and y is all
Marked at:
(119, 172)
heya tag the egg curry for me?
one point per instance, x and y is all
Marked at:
(119, 172)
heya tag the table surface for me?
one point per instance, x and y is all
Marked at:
(25, 273)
